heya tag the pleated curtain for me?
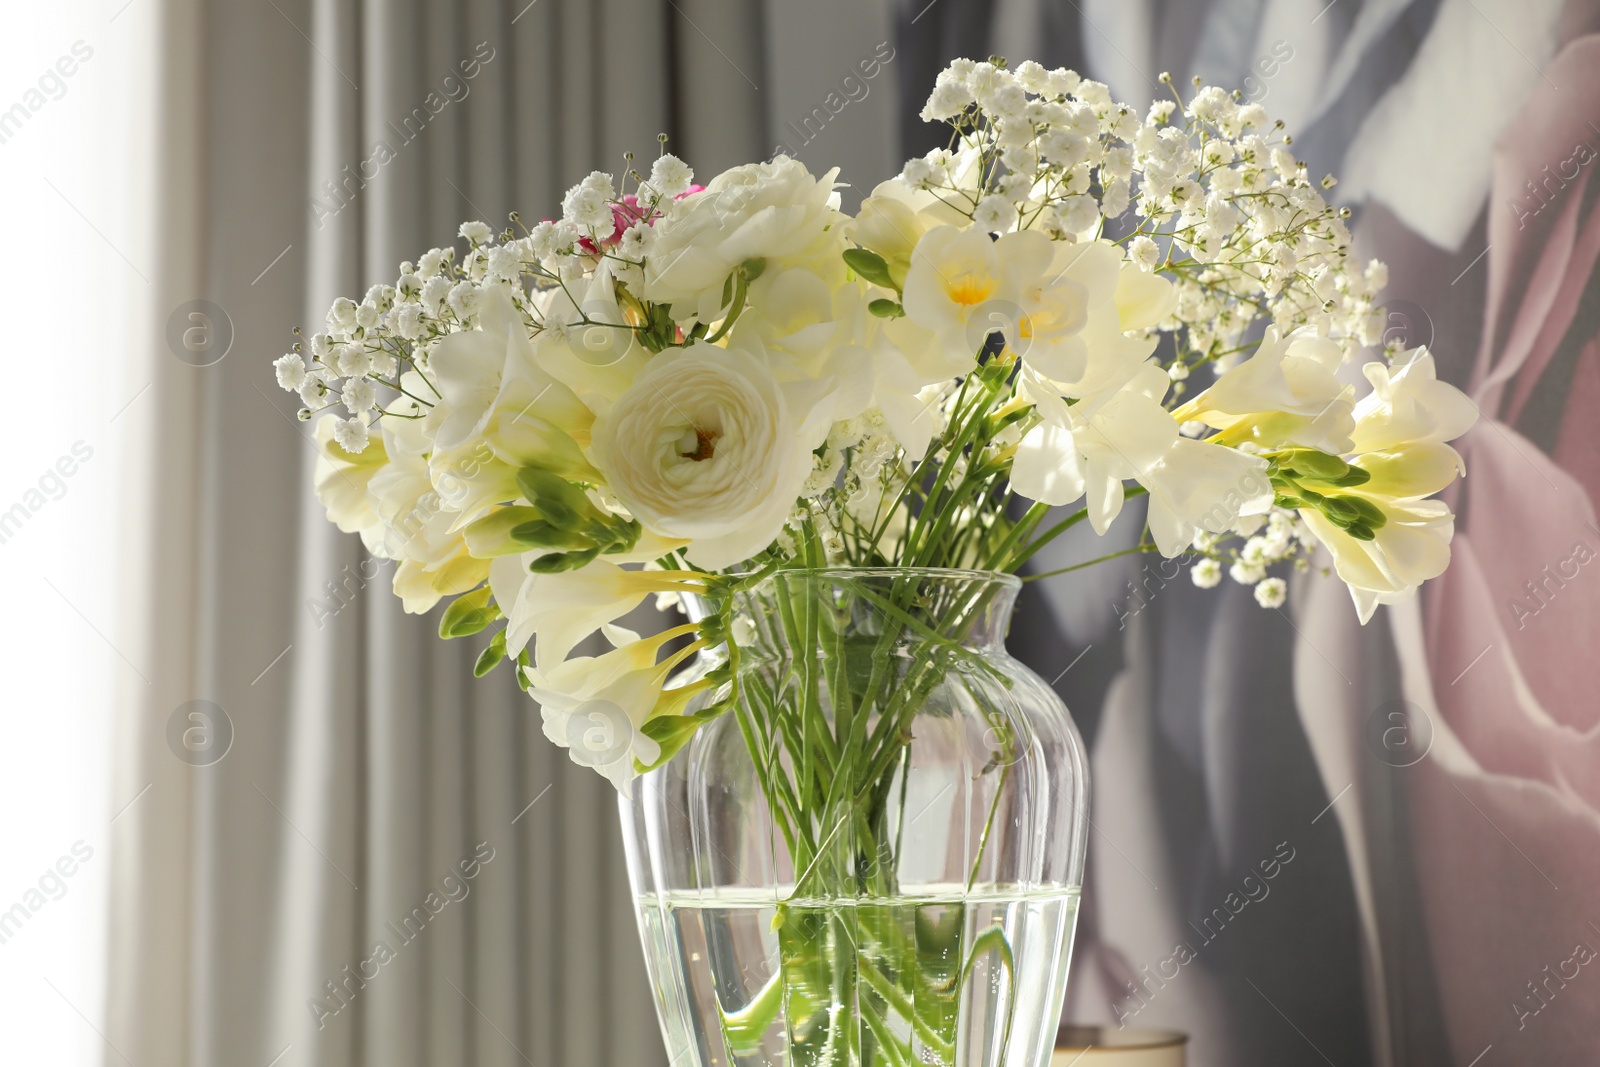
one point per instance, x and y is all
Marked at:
(389, 865)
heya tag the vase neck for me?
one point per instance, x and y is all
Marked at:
(799, 609)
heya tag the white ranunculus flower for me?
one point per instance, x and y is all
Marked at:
(708, 446)
(1286, 393)
(1199, 486)
(1094, 445)
(772, 211)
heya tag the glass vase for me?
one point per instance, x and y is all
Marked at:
(874, 858)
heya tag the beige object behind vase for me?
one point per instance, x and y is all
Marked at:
(1105, 1046)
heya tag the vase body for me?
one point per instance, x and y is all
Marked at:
(874, 859)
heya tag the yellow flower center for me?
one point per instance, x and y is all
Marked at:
(969, 288)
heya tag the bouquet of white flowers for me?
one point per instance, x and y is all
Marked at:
(687, 391)
(676, 387)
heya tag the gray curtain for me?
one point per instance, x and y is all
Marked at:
(384, 862)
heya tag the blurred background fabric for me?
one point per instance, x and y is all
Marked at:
(1432, 773)
(1423, 789)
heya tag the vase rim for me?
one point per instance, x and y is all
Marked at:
(1003, 578)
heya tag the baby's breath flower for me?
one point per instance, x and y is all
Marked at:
(463, 299)
(994, 214)
(1245, 573)
(291, 371)
(1145, 252)
(1206, 573)
(342, 316)
(479, 233)
(1272, 592)
(313, 391)
(670, 176)
(429, 262)
(350, 434)
(358, 396)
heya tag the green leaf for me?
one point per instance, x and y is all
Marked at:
(490, 657)
(468, 613)
(886, 309)
(869, 265)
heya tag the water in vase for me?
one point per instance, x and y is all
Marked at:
(939, 977)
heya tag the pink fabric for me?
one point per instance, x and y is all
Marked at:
(1506, 815)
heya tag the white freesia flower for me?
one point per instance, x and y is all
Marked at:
(1094, 445)
(1400, 432)
(893, 219)
(1198, 486)
(563, 608)
(817, 328)
(498, 411)
(708, 446)
(804, 319)
(1411, 547)
(1408, 404)
(963, 286)
(1286, 393)
(582, 346)
(1072, 327)
(472, 369)
(342, 478)
(769, 211)
(596, 706)
(418, 531)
